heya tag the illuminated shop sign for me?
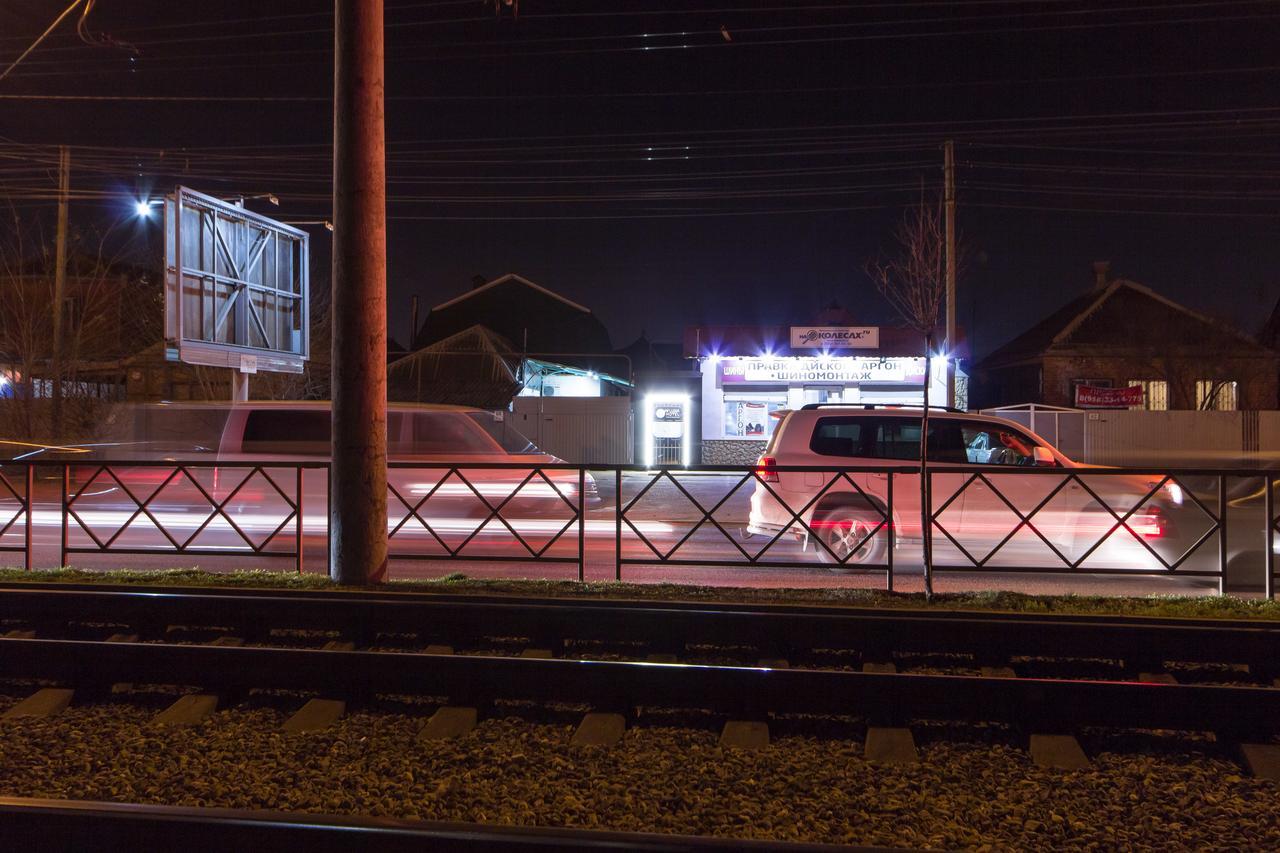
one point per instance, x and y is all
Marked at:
(790, 371)
(835, 337)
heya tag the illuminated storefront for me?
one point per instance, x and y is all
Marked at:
(747, 374)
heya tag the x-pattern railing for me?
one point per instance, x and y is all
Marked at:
(1269, 487)
(796, 517)
(659, 544)
(494, 511)
(143, 506)
(1068, 478)
(23, 510)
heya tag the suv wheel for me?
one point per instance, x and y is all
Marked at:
(846, 533)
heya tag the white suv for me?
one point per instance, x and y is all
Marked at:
(846, 516)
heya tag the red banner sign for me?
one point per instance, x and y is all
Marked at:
(1091, 397)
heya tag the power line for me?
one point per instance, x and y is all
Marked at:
(864, 37)
(259, 19)
(714, 39)
(676, 93)
(58, 20)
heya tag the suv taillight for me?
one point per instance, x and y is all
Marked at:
(1152, 523)
(765, 470)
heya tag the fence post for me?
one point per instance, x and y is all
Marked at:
(31, 515)
(298, 528)
(66, 509)
(1222, 534)
(888, 583)
(617, 522)
(1269, 558)
(582, 524)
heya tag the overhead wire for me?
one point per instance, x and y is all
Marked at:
(713, 38)
(796, 162)
(58, 20)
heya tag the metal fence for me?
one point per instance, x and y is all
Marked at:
(474, 498)
(183, 504)
(980, 518)
(792, 518)
(16, 508)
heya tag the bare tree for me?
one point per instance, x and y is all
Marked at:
(913, 281)
(109, 310)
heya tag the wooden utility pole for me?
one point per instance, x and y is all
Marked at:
(358, 475)
(59, 291)
(949, 199)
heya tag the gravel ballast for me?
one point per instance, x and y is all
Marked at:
(811, 784)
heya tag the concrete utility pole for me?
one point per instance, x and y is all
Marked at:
(949, 198)
(59, 290)
(358, 475)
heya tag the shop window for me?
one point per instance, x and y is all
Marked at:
(1216, 395)
(750, 417)
(1155, 394)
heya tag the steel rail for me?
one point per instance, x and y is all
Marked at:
(76, 825)
(361, 615)
(1044, 704)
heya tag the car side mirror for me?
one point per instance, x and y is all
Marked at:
(1042, 457)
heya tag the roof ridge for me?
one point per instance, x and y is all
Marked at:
(505, 277)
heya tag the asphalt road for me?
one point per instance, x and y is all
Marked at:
(665, 517)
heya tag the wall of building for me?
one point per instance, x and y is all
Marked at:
(1256, 378)
(731, 452)
(1174, 439)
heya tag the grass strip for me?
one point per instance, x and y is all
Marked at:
(1173, 606)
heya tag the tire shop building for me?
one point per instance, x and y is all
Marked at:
(748, 373)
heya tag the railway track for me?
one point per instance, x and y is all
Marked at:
(361, 616)
(467, 655)
(62, 825)
(57, 645)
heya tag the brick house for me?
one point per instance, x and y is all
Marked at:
(1121, 333)
(1270, 334)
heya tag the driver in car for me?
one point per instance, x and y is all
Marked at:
(1018, 451)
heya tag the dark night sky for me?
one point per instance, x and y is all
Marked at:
(1141, 132)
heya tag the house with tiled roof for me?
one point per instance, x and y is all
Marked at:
(1270, 334)
(1122, 334)
(533, 318)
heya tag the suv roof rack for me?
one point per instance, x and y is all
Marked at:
(872, 406)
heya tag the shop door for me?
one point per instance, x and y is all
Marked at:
(823, 394)
(667, 432)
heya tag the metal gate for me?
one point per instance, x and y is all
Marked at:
(584, 430)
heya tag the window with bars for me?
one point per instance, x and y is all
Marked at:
(1155, 394)
(1216, 395)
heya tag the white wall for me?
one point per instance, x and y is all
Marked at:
(587, 430)
(1179, 438)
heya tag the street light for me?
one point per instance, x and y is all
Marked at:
(142, 207)
(328, 224)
